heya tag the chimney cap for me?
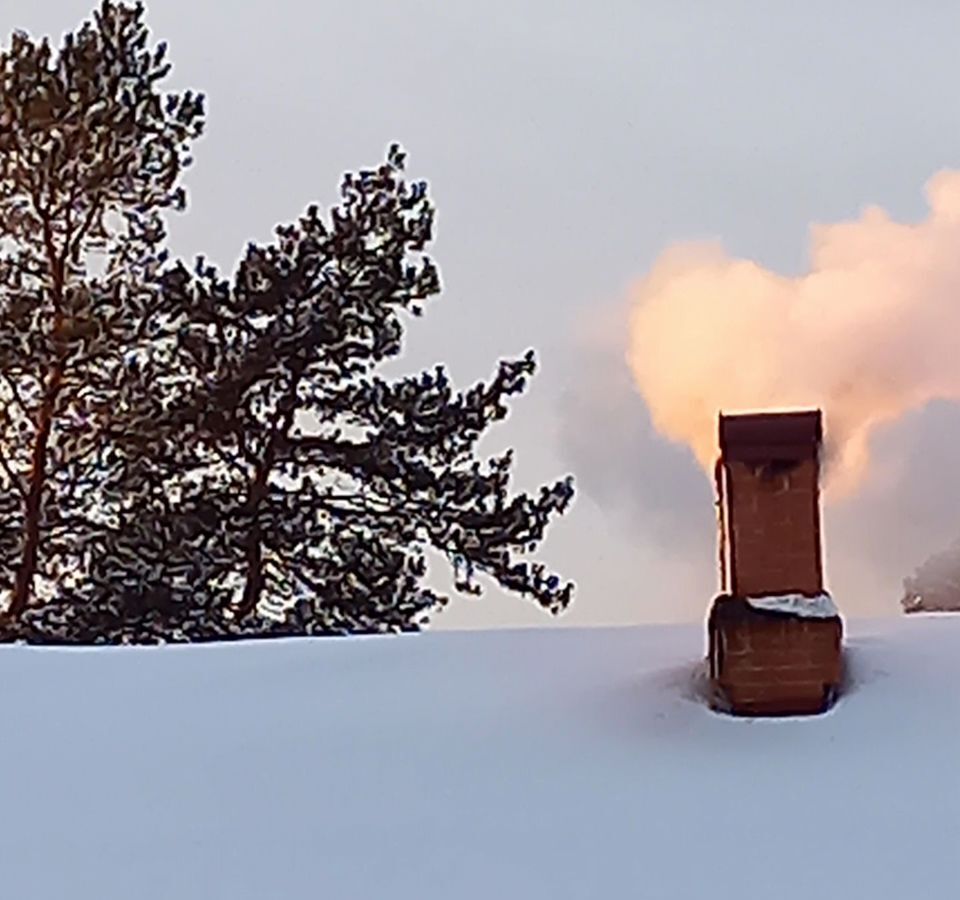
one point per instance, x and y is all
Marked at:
(771, 436)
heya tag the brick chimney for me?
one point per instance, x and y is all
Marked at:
(768, 484)
(774, 635)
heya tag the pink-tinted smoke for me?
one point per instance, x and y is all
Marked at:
(871, 332)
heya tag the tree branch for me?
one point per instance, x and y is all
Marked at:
(15, 391)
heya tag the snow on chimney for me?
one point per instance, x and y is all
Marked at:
(774, 634)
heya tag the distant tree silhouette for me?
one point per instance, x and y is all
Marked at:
(189, 456)
(935, 585)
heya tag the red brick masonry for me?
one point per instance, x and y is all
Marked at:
(768, 482)
(765, 663)
(768, 662)
(774, 528)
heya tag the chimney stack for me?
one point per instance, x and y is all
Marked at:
(774, 635)
(768, 481)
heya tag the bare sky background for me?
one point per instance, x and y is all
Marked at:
(567, 144)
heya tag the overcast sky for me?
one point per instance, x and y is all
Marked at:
(566, 145)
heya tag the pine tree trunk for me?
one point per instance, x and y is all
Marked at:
(253, 587)
(33, 504)
(23, 586)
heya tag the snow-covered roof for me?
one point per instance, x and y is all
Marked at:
(534, 764)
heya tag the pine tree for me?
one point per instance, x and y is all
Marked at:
(299, 491)
(189, 456)
(90, 156)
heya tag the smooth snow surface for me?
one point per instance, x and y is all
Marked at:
(819, 607)
(540, 764)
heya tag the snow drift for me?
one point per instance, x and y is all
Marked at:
(538, 764)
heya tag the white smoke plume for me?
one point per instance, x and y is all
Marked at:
(870, 333)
